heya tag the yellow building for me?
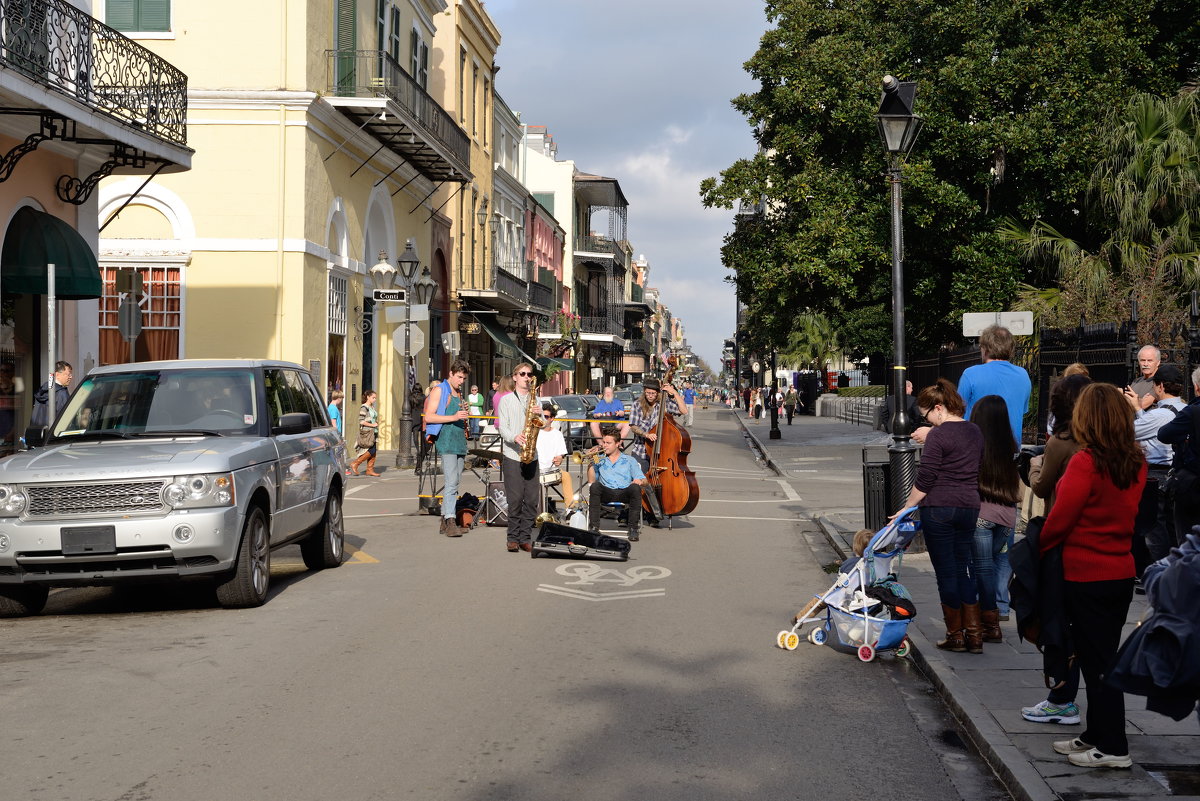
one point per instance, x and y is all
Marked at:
(318, 147)
(78, 102)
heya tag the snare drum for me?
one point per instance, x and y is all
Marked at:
(552, 476)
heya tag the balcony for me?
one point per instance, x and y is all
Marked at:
(638, 346)
(74, 55)
(502, 289)
(541, 296)
(508, 284)
(599, 244)
(363, 83)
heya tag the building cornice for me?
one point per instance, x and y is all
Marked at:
(249, 99)
(474, 12)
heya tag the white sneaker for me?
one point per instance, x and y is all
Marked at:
(1073, 746)
(1046, 712)
(1094, 758)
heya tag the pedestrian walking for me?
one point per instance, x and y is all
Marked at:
(336, 399)
(368, 434)
(41, 417)
(790, 401)
(689, 403)
(475, 404)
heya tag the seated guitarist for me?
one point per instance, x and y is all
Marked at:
(615, 477)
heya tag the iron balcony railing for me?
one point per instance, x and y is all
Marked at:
(372, 73)
(541, 296)
(599, 244)
(70, 52)
(600, 325)
(637, 346)
(509, 284)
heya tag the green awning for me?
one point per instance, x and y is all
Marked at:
(507, 348)
(564, 364)
(35, 239)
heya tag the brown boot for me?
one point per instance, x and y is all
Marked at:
(450, 528)
(991, 625)
(354, 465)
(954, 629)
(371, 467)
(973, 628)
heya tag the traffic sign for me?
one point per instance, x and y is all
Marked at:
(129, 319)
(416, 339)
(388, 295)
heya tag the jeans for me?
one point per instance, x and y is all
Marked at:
(1097, 611)
(452, 468)
(473, 426)
(950, 539)
(992, 542)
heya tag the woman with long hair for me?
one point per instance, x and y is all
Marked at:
(947, 490)
(999, 491)
(1044, 473)
(1095, 505)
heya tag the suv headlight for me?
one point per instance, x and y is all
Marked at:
(12, 500)
(198, 491)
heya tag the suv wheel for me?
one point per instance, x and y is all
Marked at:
(252, 577)
(324, 546)
(22, 601)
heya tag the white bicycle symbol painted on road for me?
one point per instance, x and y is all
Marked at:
(588, 573)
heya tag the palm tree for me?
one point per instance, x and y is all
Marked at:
(811, 343)
(1146, 190)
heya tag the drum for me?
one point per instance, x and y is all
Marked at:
(552, 476)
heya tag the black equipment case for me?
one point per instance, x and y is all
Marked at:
(560, 540)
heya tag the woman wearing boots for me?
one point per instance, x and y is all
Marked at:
(368, 432)
(1095, 505)
(999, 491)
(947, 490)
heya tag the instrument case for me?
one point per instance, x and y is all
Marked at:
(559, 540)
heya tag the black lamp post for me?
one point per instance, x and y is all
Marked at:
(898, 127)
(775, 432)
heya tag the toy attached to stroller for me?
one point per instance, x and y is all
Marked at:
(866, 611)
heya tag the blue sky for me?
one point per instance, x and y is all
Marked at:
(640, 90)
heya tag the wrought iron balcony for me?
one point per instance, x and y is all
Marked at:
(72, 53)
(637, 346)
(599, 244)
(509, 284)
(600, 325)
(541, 296)
(425, 135)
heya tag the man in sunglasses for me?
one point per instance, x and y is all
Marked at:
(521, 487)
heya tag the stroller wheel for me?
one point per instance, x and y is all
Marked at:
(905, 647)
(781, 638)
(791, 641)
(817, 636)
(866, 653)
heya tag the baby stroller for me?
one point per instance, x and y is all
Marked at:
(865, 611)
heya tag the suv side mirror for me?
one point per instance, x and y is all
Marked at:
(35, 437)
(293, 423)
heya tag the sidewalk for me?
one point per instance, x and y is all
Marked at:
(987, 692)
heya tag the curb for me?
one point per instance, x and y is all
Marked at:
(1014, 770)
(756, 443)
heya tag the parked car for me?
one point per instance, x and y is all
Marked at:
(174, 470)
(577, 408)
(626, 397)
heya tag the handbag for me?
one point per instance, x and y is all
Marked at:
(366, 439)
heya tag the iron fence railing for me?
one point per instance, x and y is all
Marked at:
(637, 346)
(541, 296)
(70, 52)
(510, 285)
(598, 244)
(600, 325)
(371, 73)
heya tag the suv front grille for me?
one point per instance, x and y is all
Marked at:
(91, 499)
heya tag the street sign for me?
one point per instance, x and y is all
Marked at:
(1019, 323)
(394, 313)
(129, 281)
(129, 319)
(416, 340)
(388, 295)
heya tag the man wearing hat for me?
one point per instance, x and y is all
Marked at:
(645, 417)
(1155, 520)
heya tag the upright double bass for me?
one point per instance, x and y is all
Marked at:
(669, 481)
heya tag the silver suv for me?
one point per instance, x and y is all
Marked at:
(174, 470)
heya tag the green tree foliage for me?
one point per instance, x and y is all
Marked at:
(1014, 96)
(1145, 195)
(812, 342)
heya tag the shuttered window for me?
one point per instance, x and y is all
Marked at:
(138, 15)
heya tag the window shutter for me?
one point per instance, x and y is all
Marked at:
(154, 15)
(345, 35)
(121, 14)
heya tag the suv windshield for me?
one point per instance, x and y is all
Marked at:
(161, 402)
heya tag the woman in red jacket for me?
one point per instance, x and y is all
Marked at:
(1095, 504)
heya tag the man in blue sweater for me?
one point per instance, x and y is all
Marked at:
(997, 376)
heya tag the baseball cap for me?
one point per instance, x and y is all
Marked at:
(1168, 373)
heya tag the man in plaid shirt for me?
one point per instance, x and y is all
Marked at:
(645, 417)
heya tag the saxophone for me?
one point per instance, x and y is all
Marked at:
(533, 425)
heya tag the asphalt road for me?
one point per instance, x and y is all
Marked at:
(435, 668)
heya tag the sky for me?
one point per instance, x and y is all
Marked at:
(640, 91)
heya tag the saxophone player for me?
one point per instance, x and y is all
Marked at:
(521, 485)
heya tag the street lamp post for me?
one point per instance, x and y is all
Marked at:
(422, 287)
(898, 127)
(775, 432)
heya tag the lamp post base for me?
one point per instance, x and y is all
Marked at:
(902, 465)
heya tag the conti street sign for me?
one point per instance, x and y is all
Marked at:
(388, 295)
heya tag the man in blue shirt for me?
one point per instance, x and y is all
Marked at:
(610, 410)
(997, 376)
(616, 477)
(689, 401)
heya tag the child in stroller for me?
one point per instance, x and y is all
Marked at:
(866, 608)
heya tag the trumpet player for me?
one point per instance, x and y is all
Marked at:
(615, 477)
(521, 485)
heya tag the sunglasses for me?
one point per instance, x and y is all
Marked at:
(526, 375)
